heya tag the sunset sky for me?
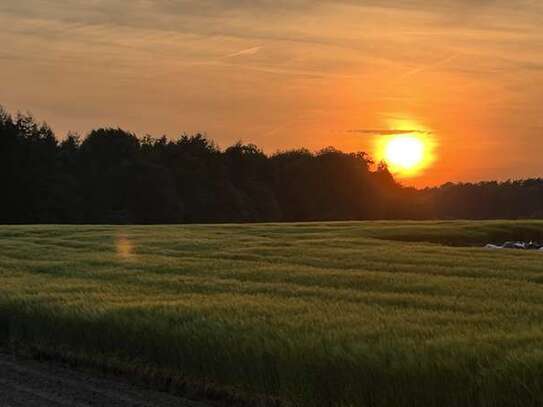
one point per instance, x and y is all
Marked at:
(468, 74)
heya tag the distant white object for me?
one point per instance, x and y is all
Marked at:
(516, 245)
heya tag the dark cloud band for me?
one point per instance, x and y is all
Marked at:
(393, 132)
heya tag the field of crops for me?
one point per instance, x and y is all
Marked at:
(323, 314)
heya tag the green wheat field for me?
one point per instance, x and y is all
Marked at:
(319, 314)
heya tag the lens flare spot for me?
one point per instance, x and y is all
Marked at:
(124, 247)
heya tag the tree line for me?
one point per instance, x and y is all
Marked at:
(112, 176)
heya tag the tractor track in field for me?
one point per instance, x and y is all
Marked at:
(29, 383)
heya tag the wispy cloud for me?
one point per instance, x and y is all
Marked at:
(248, 51)
(434, 65)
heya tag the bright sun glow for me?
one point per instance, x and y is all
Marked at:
(408, 150)
(404, 153)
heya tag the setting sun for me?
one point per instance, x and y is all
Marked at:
(408, 148)
(404, 153)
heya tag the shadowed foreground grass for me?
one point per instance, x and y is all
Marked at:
(327, 314)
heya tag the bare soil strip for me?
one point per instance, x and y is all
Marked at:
(29, 383)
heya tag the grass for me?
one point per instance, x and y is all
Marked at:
(324, 314)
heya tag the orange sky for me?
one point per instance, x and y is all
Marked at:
(285, 74)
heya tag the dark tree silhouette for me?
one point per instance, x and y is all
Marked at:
(111, 176)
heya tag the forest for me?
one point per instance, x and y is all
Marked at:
(113, 177)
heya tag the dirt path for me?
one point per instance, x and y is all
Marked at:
(27, 383)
